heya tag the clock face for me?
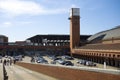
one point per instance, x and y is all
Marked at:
(74, 12)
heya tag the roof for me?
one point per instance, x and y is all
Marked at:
(3, 36)
(101, 46)
(113, 33)
(55, 38)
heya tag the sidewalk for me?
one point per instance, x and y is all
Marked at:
(1, 71)
(19, 73)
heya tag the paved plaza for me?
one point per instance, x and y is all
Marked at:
(15, 72)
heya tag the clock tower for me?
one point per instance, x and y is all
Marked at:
(74, 28)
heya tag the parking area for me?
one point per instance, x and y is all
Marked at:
(45, 57)
(62, 60)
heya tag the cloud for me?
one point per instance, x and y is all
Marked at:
(25, 22)
(20, 7)
(6, 24)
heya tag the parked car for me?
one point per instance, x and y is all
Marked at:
(38, 58)
(17, 58)
(42, 61)
(6, 56)
(56, 59)
(89, 63)
(68, 63)
(60, 61)
(53, 62)
(51, 57)
(67, 57)
(82, 62)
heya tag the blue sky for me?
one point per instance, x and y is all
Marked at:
(21, 19)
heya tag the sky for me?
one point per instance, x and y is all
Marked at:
(21, 19)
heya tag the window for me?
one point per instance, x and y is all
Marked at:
(118, 56)
(106, 55)
(113, 55)
(102, 54)
(109, 55)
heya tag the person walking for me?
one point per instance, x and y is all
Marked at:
(10, 62)
(14, 61)
(7, 63)
(4, 62)
(1, 61)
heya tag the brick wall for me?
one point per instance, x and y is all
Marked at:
(69, 74)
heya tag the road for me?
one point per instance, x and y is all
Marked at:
(19, 73)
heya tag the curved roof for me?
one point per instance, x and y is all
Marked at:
(105, 35)
(3, 36)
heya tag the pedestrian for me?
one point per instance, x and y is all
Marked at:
(14, 61)
(4, 62)
(32, 59)
(10, 62)
(1, 61)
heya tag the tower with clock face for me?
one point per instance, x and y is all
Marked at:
(74, 28)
